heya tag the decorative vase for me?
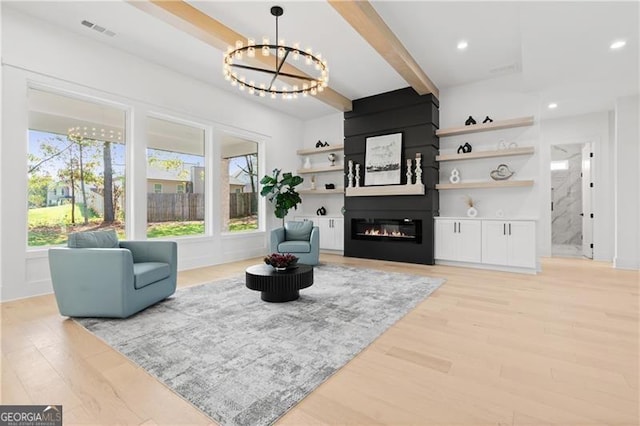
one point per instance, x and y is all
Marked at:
(455, 176)
(472, 212)
(307, 163)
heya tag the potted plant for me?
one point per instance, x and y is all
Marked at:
(280, 191)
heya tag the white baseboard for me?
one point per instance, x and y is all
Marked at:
(531, 271)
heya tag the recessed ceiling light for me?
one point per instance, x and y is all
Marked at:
(462, 45)
(618, 44)
(552, 105)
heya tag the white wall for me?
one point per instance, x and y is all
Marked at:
(627, 183)
(500, 99)
(329, 129)
(593, 128)
(34, 52)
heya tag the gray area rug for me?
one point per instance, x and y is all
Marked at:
(247, 362)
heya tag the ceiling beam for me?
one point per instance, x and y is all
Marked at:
(365, 20)
(187, 18)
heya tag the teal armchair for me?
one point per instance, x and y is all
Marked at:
(99, 276)
(301, 239)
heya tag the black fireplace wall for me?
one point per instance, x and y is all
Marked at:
(416, 117)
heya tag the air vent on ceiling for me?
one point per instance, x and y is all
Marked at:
(98, 28)
(506, 69)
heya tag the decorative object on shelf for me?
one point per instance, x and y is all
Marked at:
(487, 120)
(418, 169)
(409, 174)
(343, 210)
(455, 176)
(357, 176)
(281, 192)
(350, 175)
(281, 261)
(321, 211)
(513, 145)
(313, 182)
(500, 213)
(471, 211)
(329, 186)
(382, 159)
(325, 144)
(332, 158)
(307, 163)
(314, 78)
(502, 144)
(319, 144)
(502, 172)
(469, 121)
(466, 148)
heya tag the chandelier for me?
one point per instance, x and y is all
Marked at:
(243, 70)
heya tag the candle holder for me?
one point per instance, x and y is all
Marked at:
(350, 175)
(357, 175)
(418, 169)
(409, 175)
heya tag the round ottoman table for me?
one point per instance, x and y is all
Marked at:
(279, 286)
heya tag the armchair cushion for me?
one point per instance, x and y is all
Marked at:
(146, 273)
(298, 231)
(93, 239)
(294, 247)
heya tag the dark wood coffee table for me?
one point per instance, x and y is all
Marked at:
(279, 286)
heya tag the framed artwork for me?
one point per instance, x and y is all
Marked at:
(382, 160)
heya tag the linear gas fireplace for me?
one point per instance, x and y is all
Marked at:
(401, 230)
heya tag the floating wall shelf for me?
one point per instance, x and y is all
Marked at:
(321, 191)
(330, 148)
(336, 168)
(378, 191)
(486, 154)
(496, 125)
(496, 184)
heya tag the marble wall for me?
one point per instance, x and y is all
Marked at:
(566, 190)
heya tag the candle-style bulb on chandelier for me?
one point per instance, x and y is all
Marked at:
(247, 67)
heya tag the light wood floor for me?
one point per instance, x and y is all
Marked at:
(487, 348)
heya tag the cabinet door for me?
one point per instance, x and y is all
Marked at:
(338, 232)
(469, 247)
(446, 239)
(326, 232)
(522, 244)
(494, 242)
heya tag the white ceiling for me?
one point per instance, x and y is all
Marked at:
(560, 49)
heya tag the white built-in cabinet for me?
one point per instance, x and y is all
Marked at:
(509, 243)
(331, 231)
(458, 240)
(500, 243)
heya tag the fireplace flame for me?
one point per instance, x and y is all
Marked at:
(384, 233)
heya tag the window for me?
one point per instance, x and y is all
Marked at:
(239, 184)
(76, 167)
(175, 163)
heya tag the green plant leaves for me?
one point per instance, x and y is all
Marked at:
(281, 191)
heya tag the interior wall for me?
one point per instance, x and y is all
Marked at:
(328, 129)
(35, 52)
(594, 128)
(627, 183)
(500, 99)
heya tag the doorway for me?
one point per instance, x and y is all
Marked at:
(571, 195)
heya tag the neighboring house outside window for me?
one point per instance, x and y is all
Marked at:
(157, 188)
(180, 188)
